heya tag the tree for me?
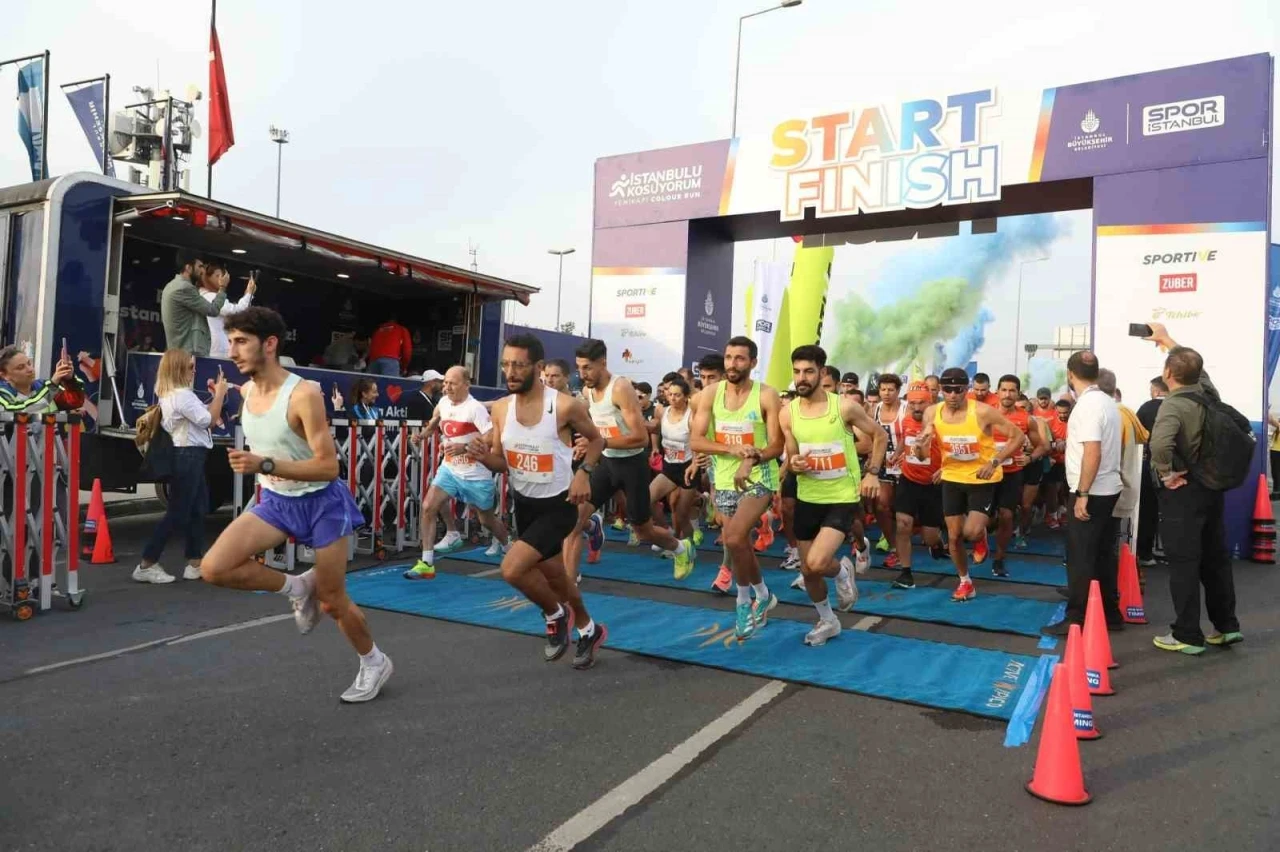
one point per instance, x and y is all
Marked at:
(568, 327)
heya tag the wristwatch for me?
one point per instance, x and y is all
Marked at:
(874, 471)
(587, 468)
(268, 465)
(1080, 493)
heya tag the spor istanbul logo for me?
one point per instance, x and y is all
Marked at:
(707, 323)
(682, 183)
(1091, 136)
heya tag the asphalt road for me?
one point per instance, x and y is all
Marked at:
(235, 740)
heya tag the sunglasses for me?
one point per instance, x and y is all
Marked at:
(954, 388)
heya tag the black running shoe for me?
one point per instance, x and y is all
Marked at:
(558, 632)
(939, 552)
(998, 569)
(585, 658)
(905, 580)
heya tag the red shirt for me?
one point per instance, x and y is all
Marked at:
(1058, 430)
(989, 398)
(919, 472)
(391, 340)
(1022, 420)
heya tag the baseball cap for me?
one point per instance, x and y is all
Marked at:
(849, 378)
(432, 376)
(918, 392)
(954, 376)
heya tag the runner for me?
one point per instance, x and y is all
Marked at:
(673, 428)
(1043, 405)
(981, 391)
(1032, 476)
(460, 418)
(296, 463)
(742, 415)
(710, 371)
(970, 466)
(530, 442)
(888, 415)
(918, 497)
(1055, 478)
(1009, 492)
(816, 427)
(933, 383)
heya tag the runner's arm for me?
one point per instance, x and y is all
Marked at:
(701, 422)
(925, 439)
(624, 396)
(487, 449)
(990, 419)
(574, 415)
(856, 416)
(306, 408)
(770, 406)
(1039, 443)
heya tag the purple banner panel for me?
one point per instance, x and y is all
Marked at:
(687, 182)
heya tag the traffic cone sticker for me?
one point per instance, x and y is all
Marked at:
(1078, 683)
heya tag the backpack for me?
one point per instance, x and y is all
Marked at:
(156, 446)
(1227, 446)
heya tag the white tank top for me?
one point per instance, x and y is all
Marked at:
(270, 435)
(609, 420)
(894, 430)
(539, 463)
(675, 438)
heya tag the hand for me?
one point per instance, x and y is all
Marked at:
(988, 470)
(63, 371)
(1021, 459)
(690, 472)
(220, 384)
(743, 451)
(415, 437)
(336, 398)
(579, 488)
(870, 486)
(242, 462)
(1160, 336)
(1175, 480)
(896, 459)
(252, 286)
(937, 476)
(798, 463)
(1082, 508)
(743, 473)
(579, 448)
(478, 448)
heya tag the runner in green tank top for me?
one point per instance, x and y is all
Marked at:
(821, 454)
(745, 442)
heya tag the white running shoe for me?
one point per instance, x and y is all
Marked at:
(368, 682)
(791, 559)
(821, 632)
(847, 589)
(495, 547)
(306, 609)
(862, 558)
(798, 582)
(154, 574)
(191, 572)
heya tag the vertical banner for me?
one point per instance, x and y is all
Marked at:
(768, 323)
(807, 295)
(1273, 315)
(89, 104)
(31, 118)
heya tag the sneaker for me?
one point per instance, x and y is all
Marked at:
(633, 540)
(619, 525)
(760, 611)
(684, 561)
(791, 559)
(585, 656)
(595, 537)
(882, 545)
(1168, 643)
(939, 552)
(369, 682)
(558, 632)
(1053, 523)
(964, 591)
(191, 572)
(745, 624)
(1149, 562)
(421, 571)
(1224, 639)
(905, 580)
(821, 632)
(862, 558)
(306, 609)
(1020, 542)
(998, 569)
(846, 591)
(697, 536)
(891, 561)
(724, 581)
(450, 543)
(798, 582)
(764, 535)
(155, 574)
(497, 548)
(655, 548)
(980, 551)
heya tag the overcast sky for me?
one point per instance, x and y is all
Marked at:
(426, 126)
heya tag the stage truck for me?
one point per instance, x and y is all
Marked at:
(83, 259)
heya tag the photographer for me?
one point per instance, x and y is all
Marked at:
(21, 391)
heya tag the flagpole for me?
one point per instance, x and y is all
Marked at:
(44, 122)
(213, 23)
(106, 120)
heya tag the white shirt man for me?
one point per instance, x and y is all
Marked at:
(218, 345)
(1095, 418)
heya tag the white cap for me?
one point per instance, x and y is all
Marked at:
(432, 376)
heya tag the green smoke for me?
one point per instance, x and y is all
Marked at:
(901, 334)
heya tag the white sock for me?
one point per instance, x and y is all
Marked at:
(844, 572)
(293, 586)
(373, 658)
(428, 556)
(744, 594)
(588, 630)
(824, 610)
(964, 578)
(680, 548)
(553, 616)
(762, 591)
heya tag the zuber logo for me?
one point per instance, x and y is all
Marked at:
(1184, 283)
(1003, 689)
(634, 311)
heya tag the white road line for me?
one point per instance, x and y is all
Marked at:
(231, 628)
(488, 572)
(636, 788)
(105, 655)
(868, 622)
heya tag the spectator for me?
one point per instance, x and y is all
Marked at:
(184, 312)
(422, 405)
(1191, 515)
(347, 351)
(20, 390)
(644, 391)
(187, 420)
(215, 281)
(1148, 504)
(390, 349)
(1132, 439)
(1093, 477)
(1274, 423)
(364, 393)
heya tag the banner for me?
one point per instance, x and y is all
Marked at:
(89, 105)
(221, 135)
(31, 118)
(636, 312)
(1273, 316)
(768, 323)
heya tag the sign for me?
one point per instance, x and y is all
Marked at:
(89, 104)
(687, 182)
(444, 340)
(31, 117)
(636, 313)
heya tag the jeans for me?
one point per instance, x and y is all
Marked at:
(188, 505)
(1091, 556)
(1195, 542)
(385, 367)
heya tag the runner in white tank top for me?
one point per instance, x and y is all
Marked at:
(677, 456)
(293, 455)
(889, 414)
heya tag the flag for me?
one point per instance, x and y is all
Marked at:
(89, 105)
(31, 113)
(221, 135)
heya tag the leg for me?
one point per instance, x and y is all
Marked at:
(571, 550)
(659, 488)
(975, 525)
(1215, 570)
(522, 569)
(436, 498)
(331, 593)
(818, 562)
(884, 511)
(905, 525)
(230, 563)
(182, 498)
(489, 520)
(1004, 531)
(955, 545)
(1148, 516)
(1085, 547)
(737, 538)
(789, 521)
(1107, 564)
(199, 510)
(1182, 529)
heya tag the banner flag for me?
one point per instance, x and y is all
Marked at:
(767, 322)
(31, 118)
(1273, 316)
(89, 104)
(221, 134)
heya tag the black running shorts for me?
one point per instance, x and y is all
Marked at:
(544, 522)
(811, 517)
(674, 471)
(789, 485)
(630, 475)
(959, 498)
(1009, 491)
(1056, 473)
(922, 502)
(1033, 473)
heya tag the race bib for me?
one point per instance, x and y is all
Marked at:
(675, 452)
(460, 461)
(962, 447)
(826, 461)
(531, 462)
(608, 425)
(910, 457)
(739, 434)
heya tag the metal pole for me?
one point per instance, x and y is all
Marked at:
(737, 71)
(279, 162)
(168, 182)
(213, 23)
(106, 121)
(559, 290)
(44, 122)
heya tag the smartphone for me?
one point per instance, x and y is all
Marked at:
(1139, 329)
(66, 356)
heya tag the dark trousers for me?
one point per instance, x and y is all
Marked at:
(1195, 543)
(1148, 515)
(188, 505)
(1091, 556)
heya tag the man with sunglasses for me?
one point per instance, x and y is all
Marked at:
(971, 466)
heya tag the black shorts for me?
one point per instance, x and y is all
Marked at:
(959, 498)
(889, 479)
(1009, 491)
(1033, 473)
(922, 502)
(674, 471)
(811, 517)
(789, 486)
(628, 474)
(1056, 473)
(544, 522)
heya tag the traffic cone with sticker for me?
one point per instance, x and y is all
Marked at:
(1131, 606)
(92, 515)
(1058, 776)
(1097, 645)
(1264, 526)
(1081, 701)
(103, 554)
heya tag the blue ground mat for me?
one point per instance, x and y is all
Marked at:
(993, 684)
(1038, 572)
(997, 613)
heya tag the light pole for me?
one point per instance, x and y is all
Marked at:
(1017, 325)
(737, 64)
(560, 253)
(280, 136)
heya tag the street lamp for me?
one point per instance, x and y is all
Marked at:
(737, 65)
(280, 136)
(1017, 325)
(560, 253)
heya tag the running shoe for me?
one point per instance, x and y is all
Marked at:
(1149, 562)
(619, 524)
(882, 545)
(821, 632)
(1168, 643)
(306, 609)
(1053, 523)
(684, 561)
(697, 536)
(980, 551)
(154, 574)
(558, 632)
(1020, 541)
(191, 572)
(862, 558)
(711, 512)
(764, 534)
(496, 547)
(904, 580)
(760, 611)
(421, 571)
(1224, 639)
(798, 582)
(846, 589)
(585, 656)
(369, 681)
(891, 561)
(595, 537)
(964, 591)
(791, 559)
(745, 624)
(939, 552)
(633, 540)
(451, 542)
(998, 569)
(724, 581)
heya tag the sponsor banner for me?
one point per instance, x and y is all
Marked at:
(31, 118)
(768, 323)
(1273, 315)
(89, 103)
(687, 182)
(708, 314)
(635, 312)
(1196, 279)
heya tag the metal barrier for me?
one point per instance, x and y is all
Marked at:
(40, 521)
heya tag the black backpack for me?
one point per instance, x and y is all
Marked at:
(1227, 446)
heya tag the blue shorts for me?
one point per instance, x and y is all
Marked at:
(477, 492)
(315, 520)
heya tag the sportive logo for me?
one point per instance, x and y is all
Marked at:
(1181, 116)
(1161, 314)
(1170, 258)
(626, 292)
(681, 183)
(1090, 139)
(1183, 283)
(634, 311)
(1090, 122)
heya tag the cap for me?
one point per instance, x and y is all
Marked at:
(849, 378)
(432, 376)
(954, 376)
(918, 392)
(1044, 393)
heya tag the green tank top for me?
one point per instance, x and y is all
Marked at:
(744, 426)
(833, 475)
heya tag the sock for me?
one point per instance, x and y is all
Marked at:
(373, 658)
(293, 586)
(844, 572)
(762, 591)
(824, 610)
(587, 631)
(964, 578)
(680, 548)
(428, 556)
(744, 594)
(553, 616)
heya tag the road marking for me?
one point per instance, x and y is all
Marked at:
(489, 572)
(231, 628)
(105, 655)
(639, 786)
(868, 622)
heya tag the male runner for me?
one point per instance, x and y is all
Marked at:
(1055, 478)
(918, 497)
(970, 466)
(615, 410)
(460, 418)
(293, 454)
(829, 382)
(530, 442)
(742, 416)
(889, 414)
(981, 391)
(1009, 492)
(710, 371)
(933, 383)
(1032, 476)
(1043, 405)
(820, 453)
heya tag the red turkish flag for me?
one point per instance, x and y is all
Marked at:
(221, 135)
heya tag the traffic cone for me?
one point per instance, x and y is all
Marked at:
(95, 512)
(1264, 526)
(1131, 606)
(103, 553)
(1081, 701)
(1097, 645)
(1058, 777)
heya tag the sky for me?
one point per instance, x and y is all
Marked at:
(434, 127)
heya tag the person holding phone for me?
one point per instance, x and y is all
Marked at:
(21, 391)
(215, 281)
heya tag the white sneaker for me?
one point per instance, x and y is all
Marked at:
(154, 574)
(821, 632)
(368, 682)
(306, 609)
(847, 589)
(798, 582)
(496, 547)
(791, 559)
(191, 572)
(862, 558)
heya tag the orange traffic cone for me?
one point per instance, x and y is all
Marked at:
(92, 515)
(1131, 606)
(103, 554)
(1097, 645)
(1081, 701)
(1264, 526)
(1058, 777)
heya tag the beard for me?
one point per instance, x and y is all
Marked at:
(521, 385)
(804, 389)
(735, 377)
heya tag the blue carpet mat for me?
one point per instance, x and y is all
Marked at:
(1037, 572)
(993, 684)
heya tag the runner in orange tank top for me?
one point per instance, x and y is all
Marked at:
(918, 497)
(1031, 448)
